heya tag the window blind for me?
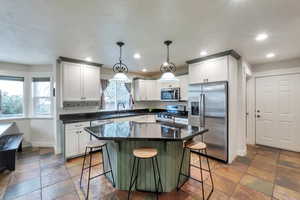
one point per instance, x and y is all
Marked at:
(41, 79)
(11, 78)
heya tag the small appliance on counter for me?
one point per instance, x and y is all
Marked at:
(170, 94)
(174, 114)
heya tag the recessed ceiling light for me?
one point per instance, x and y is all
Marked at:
(270, 55)
(203, 53)
(261, 37)
(89, 59)
(137, 56)
(144, 70)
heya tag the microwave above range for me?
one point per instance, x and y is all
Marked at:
(170, 94)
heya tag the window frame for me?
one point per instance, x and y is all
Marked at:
(34, 98)
(24, 102)
(115, 99)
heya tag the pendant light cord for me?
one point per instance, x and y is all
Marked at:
(168, 54)
(120, 58)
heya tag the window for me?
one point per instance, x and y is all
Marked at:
(11, 96)
(116, 94)
(41, 96)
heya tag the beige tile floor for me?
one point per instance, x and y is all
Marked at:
(265, 173)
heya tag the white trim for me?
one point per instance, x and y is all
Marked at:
(24, 118)
(251, 138)
(31, 104)
(278, 72)
(42, 144)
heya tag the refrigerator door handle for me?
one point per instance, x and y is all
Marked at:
(200, 107)
(203, 110)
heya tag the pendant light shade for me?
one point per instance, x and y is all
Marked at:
(119, 76)
(168, 77)
(120, 68)
(168, 68)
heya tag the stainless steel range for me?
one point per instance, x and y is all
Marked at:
(174, 114)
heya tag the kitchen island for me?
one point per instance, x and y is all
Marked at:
(167, 138)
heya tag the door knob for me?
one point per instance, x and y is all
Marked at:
(258, 116)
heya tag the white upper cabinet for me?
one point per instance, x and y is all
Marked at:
(209, 70)
(183, 84)
(71, 75)
(91, 83)
(140, 92)
(153, 90)
(149, 90)
(146, 90)
(169, 84)
(80, 82)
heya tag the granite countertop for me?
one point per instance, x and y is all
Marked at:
(80, 117)
(131, 130)
(4, 127)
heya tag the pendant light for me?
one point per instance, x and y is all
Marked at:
(120, 68)
(168, 68)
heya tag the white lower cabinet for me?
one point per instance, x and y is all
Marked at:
(71, 144)
(84, 138)
(76, 139)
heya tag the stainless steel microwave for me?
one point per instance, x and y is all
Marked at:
(170, 94)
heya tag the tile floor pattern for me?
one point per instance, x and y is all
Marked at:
(265, 173)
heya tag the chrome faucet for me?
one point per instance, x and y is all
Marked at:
(118, 106)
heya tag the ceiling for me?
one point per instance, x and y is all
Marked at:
(38, 31)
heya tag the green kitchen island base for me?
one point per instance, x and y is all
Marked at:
(169, 158)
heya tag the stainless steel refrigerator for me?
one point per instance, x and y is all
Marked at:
(208, 107)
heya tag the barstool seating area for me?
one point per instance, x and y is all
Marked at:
(91, 147)
(141, 154)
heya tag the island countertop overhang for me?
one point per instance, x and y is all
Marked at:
(135, 131)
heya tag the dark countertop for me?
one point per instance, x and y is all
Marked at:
(4, 127)
(145, 131)
(80, 117)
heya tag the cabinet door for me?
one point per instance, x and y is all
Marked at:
(169, 84)
(91, 83)
(209, 71)
(71, 143)
(142, 87)
(71, 75)
(197, 73)
(153, 92)
(83, 137)
(217, 69)
(183, 81)
(151, 118)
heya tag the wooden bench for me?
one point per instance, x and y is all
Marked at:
(9, 144)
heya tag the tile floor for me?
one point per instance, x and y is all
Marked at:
(265, 173)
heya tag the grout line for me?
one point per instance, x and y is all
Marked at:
(40, 174)
(276, 171)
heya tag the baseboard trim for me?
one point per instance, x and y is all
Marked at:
(41, 144)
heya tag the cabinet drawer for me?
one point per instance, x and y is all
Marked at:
(79, 125)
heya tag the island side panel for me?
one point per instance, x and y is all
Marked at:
(169, 157)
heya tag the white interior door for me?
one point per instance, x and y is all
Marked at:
(277, 112)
